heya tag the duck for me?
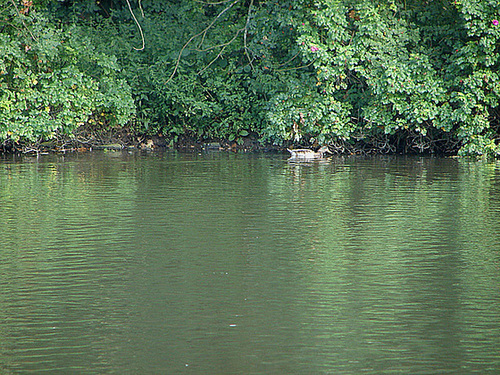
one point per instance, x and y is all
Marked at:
(304, 153)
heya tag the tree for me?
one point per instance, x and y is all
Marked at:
(397, 76)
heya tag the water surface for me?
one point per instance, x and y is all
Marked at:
(248, 264)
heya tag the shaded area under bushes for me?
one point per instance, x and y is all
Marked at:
(86, 139)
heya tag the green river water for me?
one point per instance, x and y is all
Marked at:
(168, 263)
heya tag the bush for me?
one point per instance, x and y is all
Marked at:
(52, 80)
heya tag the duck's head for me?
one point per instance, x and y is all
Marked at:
(325, 150)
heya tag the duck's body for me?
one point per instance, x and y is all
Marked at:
(304, 153)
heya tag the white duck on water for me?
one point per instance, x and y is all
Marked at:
(304, 153)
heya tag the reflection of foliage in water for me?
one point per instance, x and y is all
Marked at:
(349, 263)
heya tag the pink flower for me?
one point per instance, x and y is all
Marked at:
(495, 22)
(314, 49)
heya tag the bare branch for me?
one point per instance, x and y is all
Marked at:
(26, 26)
(138, 25)
(245, 35)
(221, 51)
(203, 32)
(295, 68)
(140, 7)
(212, 3)
(289, 61)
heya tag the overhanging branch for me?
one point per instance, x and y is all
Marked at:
(203, 32)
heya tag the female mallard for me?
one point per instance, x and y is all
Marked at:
(304, 153)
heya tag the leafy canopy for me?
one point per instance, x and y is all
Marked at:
(407, 75)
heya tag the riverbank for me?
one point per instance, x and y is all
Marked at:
(87, 139)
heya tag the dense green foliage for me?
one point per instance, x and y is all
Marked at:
(49, 82)
(406, 75)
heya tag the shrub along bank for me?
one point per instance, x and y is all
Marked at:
(360, 75)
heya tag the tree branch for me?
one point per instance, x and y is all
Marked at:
(203, 32)
(212, 3)
(245, 35)
(221, 51)
(24, 23)
(138, 25)
(140, 7)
